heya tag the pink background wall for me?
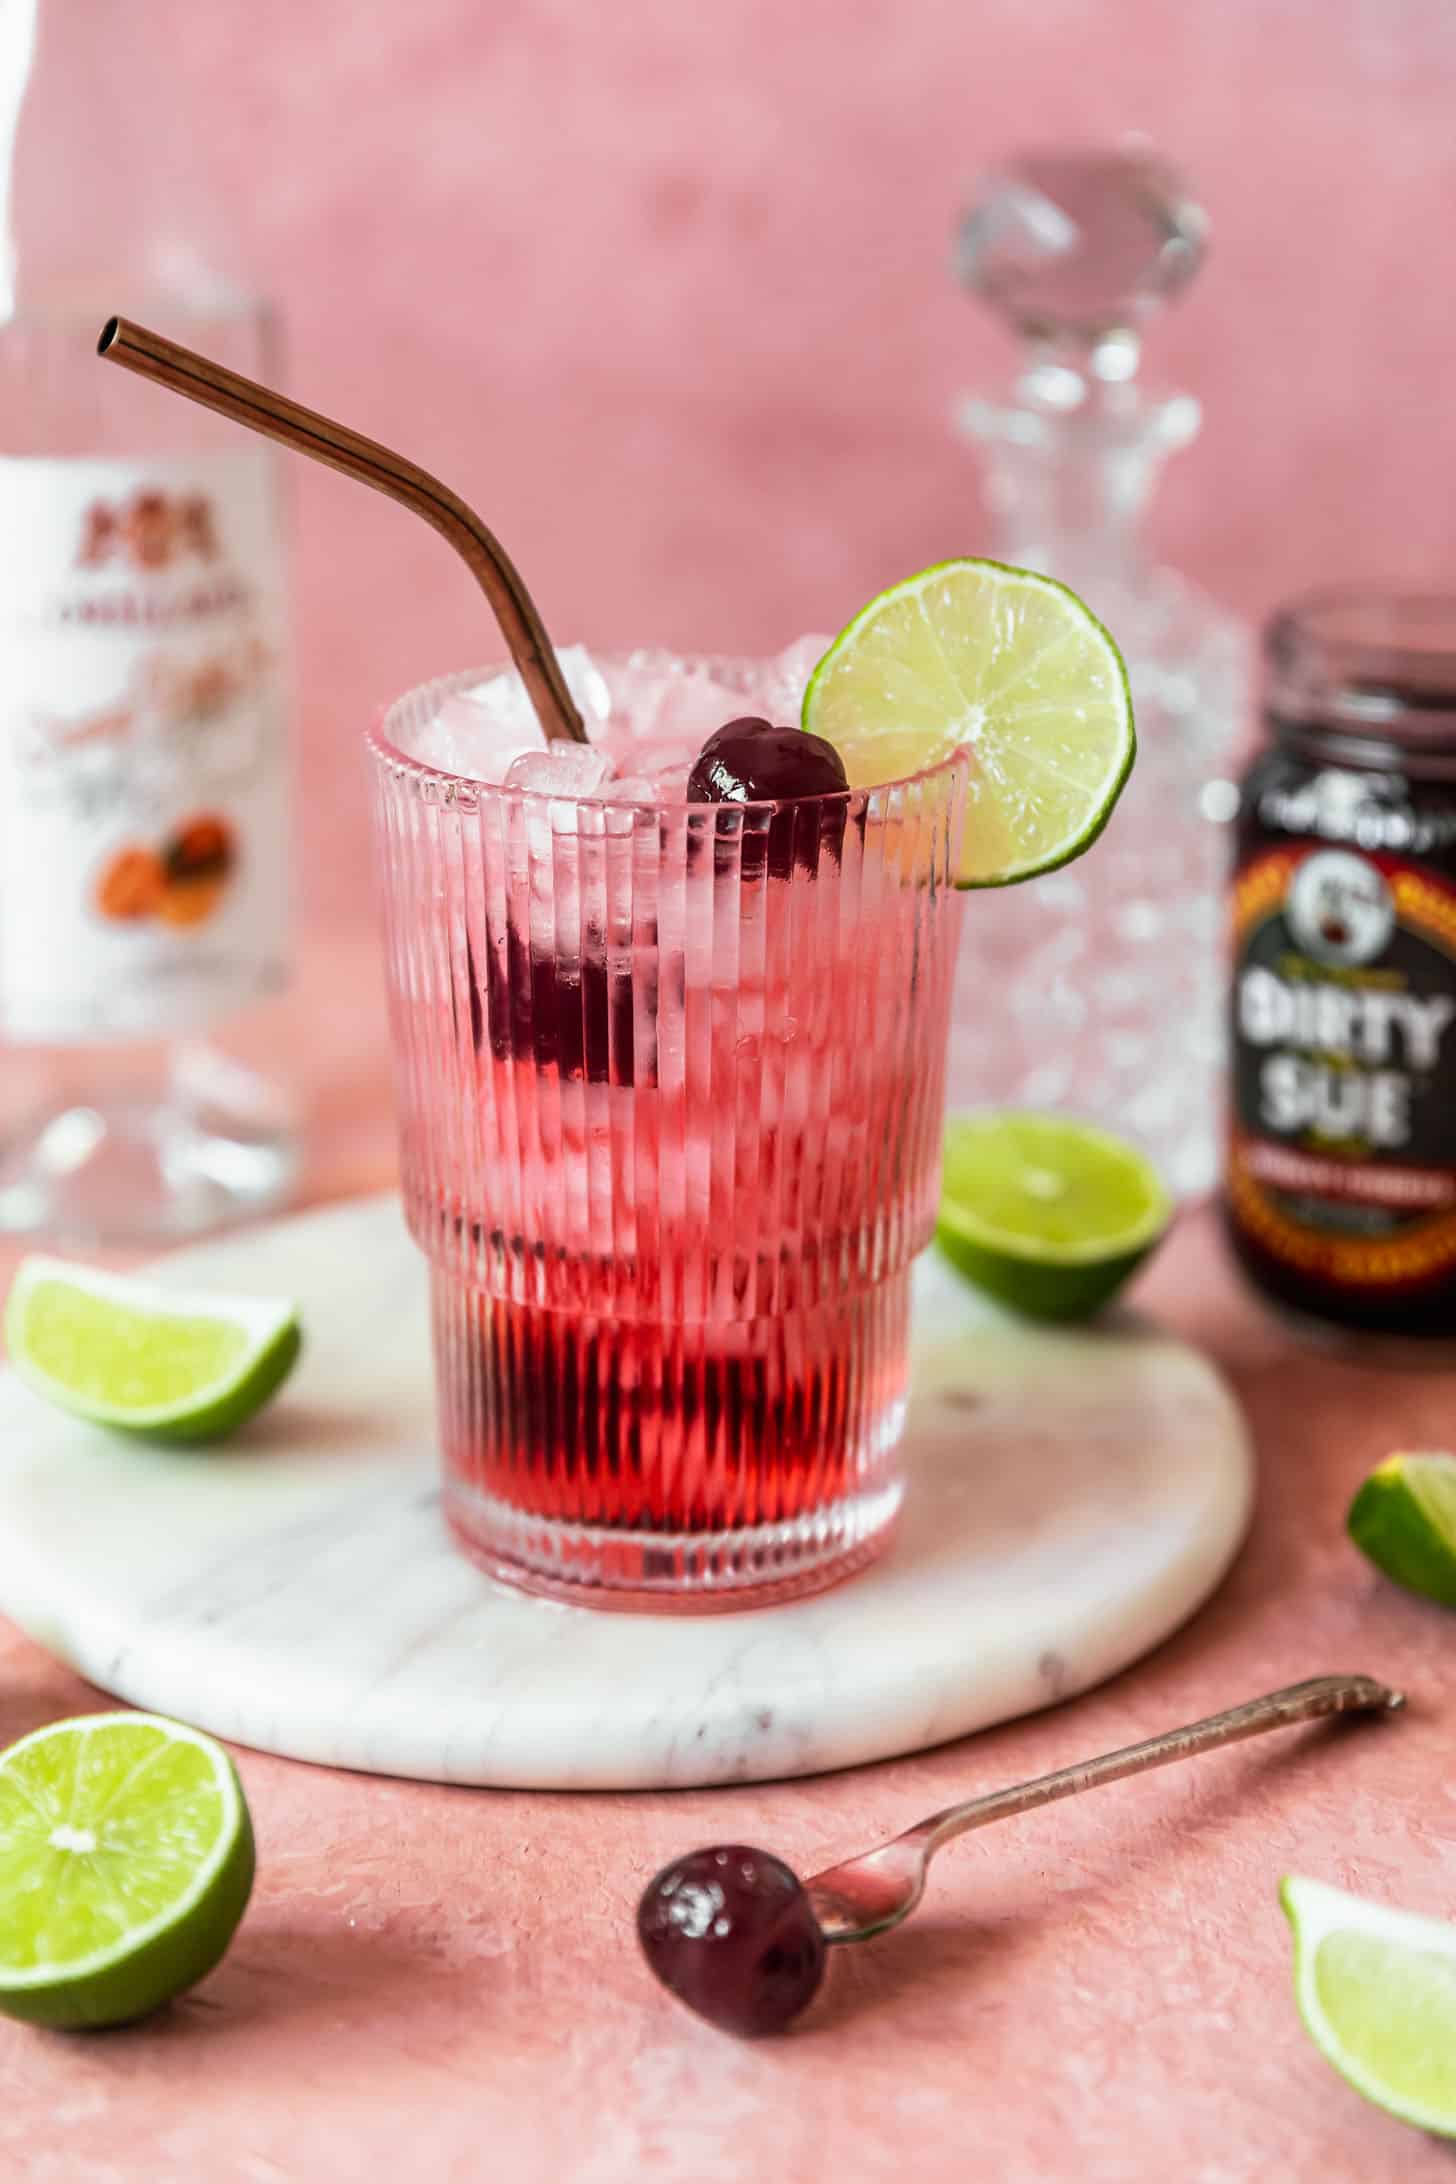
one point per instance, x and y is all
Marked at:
(665, 289)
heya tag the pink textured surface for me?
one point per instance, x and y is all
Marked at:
(666, 291)
(443, 1983)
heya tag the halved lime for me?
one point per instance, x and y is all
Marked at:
(126, 1861)
(1404, 1519)
(1377, 1991)
(1012, 665)
(152, 1361)
(1047, 1214)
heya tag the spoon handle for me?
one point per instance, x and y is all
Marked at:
(1299, 1702)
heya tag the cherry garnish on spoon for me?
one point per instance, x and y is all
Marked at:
(734, 1933)
(731, 1932)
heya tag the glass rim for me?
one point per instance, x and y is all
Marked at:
(382, 746)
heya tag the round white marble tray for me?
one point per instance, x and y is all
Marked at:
(1073, 1497)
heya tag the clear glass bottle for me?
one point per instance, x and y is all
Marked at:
(144, 774)
(1111, 969)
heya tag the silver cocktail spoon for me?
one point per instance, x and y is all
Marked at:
(736, 1935)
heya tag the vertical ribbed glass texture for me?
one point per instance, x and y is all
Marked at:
(669, 1084)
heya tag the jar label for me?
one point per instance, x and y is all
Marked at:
(143, 744)
(1343, 1132)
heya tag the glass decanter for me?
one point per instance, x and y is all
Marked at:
(1110, 970)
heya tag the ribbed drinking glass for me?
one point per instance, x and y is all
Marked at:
(669, 1079)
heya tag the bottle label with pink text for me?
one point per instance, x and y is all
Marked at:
(144, 764)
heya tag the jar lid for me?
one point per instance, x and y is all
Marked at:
(1378, 663)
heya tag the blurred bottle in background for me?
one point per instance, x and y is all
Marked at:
(1109, 975)
(1340, 1188)
(144, 773)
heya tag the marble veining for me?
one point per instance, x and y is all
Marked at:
(1073, 1497)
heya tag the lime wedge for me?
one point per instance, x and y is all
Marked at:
(148, 1360)
(1377, 1992)
(1010, 664)
(1048, 1215)
(126, 1859)
(1404, 1519)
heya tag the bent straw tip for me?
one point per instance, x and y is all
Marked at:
(263, 410)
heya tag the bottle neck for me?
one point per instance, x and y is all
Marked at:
(1071, 461)
(1426, 756)
(102, 196)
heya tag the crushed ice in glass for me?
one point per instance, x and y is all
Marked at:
(561, 769)
(479, 732)
(648, 715)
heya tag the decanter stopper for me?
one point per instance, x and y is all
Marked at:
(1077, 249)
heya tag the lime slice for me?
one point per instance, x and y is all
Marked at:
(1050, 1216)
(149, 1360)
(126, 1859)
(1010, 664)
(1377, 1992)
(1404, 1519)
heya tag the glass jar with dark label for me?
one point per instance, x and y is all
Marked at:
(1340, 1190)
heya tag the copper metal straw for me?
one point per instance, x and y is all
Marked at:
(263, 410)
